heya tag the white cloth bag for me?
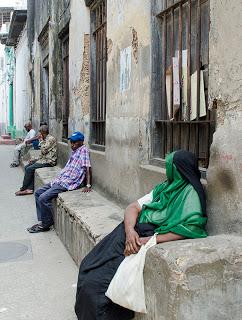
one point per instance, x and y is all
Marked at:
(127, 286)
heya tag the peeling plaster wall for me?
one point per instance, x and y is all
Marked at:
(225, 93)
(79, 50)
(58, 15)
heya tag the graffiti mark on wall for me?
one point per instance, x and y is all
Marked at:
(125, 69)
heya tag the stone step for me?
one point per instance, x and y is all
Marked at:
(6, 136)
(7, 141)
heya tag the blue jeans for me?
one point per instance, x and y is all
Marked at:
(35, 144)
(43, 201)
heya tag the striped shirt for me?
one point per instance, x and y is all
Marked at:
(74, 172)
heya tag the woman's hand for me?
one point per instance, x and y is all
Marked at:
(132, 244)
(144, 240)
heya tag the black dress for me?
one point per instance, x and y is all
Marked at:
(96, 272)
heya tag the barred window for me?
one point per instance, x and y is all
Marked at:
(98, 72)
(65, 65)
(182, 118)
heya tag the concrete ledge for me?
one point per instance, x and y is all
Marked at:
(191, 279)
(45, 175)
(83, 219)
(194, 279)
(29, 153)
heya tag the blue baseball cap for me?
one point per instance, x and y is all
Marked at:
(76, 136)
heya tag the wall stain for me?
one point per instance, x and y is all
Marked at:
(135, 45)
(226, 179)
(84, 85)
(109, 46)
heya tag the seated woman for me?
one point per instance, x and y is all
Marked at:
(175, 209)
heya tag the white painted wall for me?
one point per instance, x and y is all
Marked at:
(3, 92)
(21, 98)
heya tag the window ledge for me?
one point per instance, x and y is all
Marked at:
(94, 151)
(153, 168)
(97, 147)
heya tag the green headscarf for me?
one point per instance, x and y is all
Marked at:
(175, 207)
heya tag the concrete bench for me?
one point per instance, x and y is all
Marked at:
(191, 279)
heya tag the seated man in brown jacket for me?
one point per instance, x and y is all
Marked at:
(47, 158)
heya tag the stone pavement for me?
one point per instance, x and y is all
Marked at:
(37, 275)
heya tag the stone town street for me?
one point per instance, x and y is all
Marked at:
(37, 276)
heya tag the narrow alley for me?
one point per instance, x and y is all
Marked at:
(38, 277)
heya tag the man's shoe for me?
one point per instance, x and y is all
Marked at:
(24, 192)
(38, 228)
(14, 165)
(34, 226)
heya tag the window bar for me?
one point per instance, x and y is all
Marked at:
(198, 67)
(105, 71)
(102, 64)
(172, 52)
(173, 6)
(101, 69)
(96, 41)
(101, 74)
(97, 74)
(180, 69)
(209, 126)
(103, 61)
(189, 71)
(164, 99)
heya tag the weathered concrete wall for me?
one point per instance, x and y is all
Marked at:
(128, 88)
(79, 51)
(55, 15)
(225, 93)
(118, 170)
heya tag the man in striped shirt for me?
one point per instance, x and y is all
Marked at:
(75, 174)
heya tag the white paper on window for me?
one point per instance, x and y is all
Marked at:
(193, 112)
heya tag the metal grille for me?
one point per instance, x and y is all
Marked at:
(65, 110)
(5, 16)
(99, 107)
(184, 120)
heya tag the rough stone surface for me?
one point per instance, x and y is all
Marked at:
(225, 93)
(63, 153)
(45, 175)
(84, 219)
(194, 279)
(29, 153)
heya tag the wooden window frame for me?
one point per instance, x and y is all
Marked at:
(65, 84)
(98, 73)
(173, 128)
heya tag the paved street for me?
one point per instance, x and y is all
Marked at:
(37, 276)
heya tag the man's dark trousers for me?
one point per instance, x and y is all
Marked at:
(28, 182)
(43, 201)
